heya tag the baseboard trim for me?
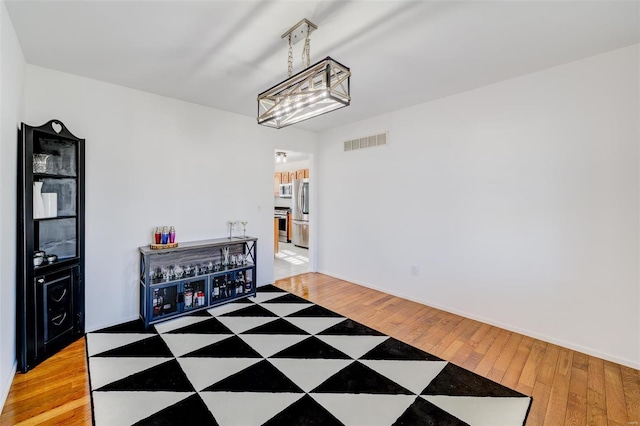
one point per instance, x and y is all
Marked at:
(509, 327)
(7, 386)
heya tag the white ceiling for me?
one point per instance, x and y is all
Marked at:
(401, 53)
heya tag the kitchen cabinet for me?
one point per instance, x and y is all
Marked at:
(195, 276)
(289, 226)
(292, 176)
(284, 177)
(277, 180)
(50, 259)
(306, 173)
(300, 174)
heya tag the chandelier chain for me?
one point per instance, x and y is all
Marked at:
(306, 51)
(290, 59)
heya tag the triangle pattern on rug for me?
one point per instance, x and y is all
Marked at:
(233, 347)
(269, 288)
(254, 310)
(354, 346)
(314, 325)
(182, 344)
(350, 327)
(247, 408)
(167, 376)
(210, 325)
(268, 345)
(103, 342)
(456, 381)
(260, 377)
(483, 411)
(413, 375)
(358, 378)
(393, 349)
(127, 408)
(226, 308)
(422, 412)
(241, 324)
(284, 309)
(279, 326)
(309, 373)
(316, 311)
(152, 346)
(191, 410)
(204, 372)
(286, 298)
(279, 360)
(167, 326)
(108, 370)
(311, 347)
(305, 411)
(365, 409)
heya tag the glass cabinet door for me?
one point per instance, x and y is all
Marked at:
(164, 301)
(194, 293)
(55, 195)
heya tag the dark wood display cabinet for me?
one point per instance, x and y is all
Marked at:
(195, 275)
(50, 259)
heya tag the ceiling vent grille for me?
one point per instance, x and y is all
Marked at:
(366, 142)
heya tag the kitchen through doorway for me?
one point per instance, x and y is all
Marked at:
(291, 192)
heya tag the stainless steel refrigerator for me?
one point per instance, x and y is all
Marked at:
(300, 207)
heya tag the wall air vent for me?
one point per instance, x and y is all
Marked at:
(366, 142)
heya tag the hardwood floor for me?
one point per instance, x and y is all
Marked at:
(568, 387)
(56, 392)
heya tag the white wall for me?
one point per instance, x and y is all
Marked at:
(150, 161)
(517, 202)
(12, 66)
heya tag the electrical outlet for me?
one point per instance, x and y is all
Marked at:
(415, 271)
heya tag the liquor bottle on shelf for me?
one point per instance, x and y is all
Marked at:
(167, 303)
(188, 298)
(223, 288)
(216, 288)
(156, 303)
(240, 283)
(160, 303)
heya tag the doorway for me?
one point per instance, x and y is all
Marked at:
(291, 213)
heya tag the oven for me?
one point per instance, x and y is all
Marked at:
(283, 224)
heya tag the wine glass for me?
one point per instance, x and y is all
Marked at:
(244, 228)
(232, 224)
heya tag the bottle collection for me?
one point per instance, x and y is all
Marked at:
(165, 300)
(164, 235)
(193, 297)
(226, 286)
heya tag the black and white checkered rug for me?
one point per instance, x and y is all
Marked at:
(278, 359)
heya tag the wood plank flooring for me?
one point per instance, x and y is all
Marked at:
(56, 392)
(568, 387)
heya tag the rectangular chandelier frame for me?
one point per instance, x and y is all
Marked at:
(321, 88)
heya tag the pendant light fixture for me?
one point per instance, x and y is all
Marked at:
(316, 90)
(281, 157)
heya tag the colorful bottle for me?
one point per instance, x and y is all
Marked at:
(157, 235)
(172, 235)
(165, 235)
